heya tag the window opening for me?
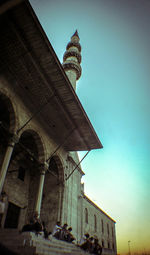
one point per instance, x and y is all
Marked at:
(21, 173)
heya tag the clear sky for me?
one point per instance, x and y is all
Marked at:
(114, 90)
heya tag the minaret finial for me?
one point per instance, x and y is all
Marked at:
(76, 34)
(72, 59)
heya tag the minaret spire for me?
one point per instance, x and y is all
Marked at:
(72, 59)
(76, 34)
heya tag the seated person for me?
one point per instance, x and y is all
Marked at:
(37, 225)
(97, 249)
(91, 244)
(85, 243)
(57, 230)
(28, 227)
(46, 233)
(63, 234)
(69, 236)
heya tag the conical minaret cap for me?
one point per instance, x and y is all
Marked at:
(75, 34)
(74, 41)
(72, 56)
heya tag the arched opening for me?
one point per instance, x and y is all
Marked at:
(7, 124)
(108, 229)
(102, 224)
(86, 215)
(103, 243)
(53, 193)
(95, 223)
(112, 231)
(22, 179)
(113, 246)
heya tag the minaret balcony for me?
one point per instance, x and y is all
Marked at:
(74, 66)
(72, 53)
(71, 44)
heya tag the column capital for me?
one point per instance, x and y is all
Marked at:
(61, 184)
(43, 168)
(14, 138)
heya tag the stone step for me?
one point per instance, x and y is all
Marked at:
(52, 250)
(8, 230)
(28, 243)
(36, 241)
(19, 249)
(38, 250)
(72, 249)
(22, 250)
(39, 247)
(50, 243)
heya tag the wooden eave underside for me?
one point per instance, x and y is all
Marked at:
(31, 66)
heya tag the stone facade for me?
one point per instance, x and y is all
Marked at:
(98, 223)
(38, 171)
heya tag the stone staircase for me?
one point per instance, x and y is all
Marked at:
(28, 243)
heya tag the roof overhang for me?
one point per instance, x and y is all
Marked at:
(31, 66)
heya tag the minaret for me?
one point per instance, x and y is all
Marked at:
(72, 59)
(71, 65)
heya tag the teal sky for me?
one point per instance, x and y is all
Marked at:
(114, 90)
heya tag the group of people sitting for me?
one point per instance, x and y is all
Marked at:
(63, 233)
(87, 243)
(60, 232)
(90, 244)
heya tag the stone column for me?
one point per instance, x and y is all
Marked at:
(7, 159)
(60, 209)
(38, 203)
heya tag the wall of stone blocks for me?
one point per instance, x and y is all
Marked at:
(72, 193)
(105, 238)
(23, 193)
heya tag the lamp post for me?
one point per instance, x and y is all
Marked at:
(129, 247)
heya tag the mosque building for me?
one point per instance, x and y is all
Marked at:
(42, 126)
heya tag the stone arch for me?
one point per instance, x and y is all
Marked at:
(24, 174)
(51, 210)
(29, 147)
(9, 121)
(60, 168)
(38, 141)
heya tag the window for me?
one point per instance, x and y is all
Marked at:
(102, 226)
(112, 231)
(86, 215)
(53, 166)
(21, 173)
(95, 223)
(103, 244)
(108, 229)
(12, 217)
(113, 246)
